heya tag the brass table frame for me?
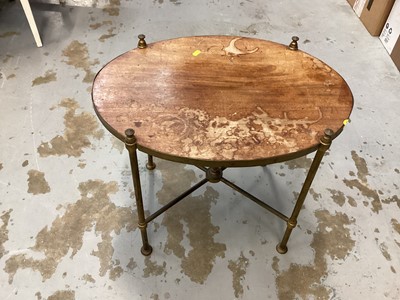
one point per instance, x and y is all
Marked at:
(214, 175)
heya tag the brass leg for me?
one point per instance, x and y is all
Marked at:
(130, 144)
(150, 163)
(325, 143)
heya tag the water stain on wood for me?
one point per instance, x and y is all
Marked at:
(49, 76)
(238, 268)
(93, 211)
(194, 212)
(77, 55)
(306, 281)
(5, 218)
(243, 114)
(78, 129)
(37, 184)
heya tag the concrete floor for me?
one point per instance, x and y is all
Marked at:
(68, 228)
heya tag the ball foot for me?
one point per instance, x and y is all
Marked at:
(146, 251)
(281, 249)
(150, 166)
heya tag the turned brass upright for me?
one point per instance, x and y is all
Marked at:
(131, 146)
(142, 43)
(293, 45)
(325, 143)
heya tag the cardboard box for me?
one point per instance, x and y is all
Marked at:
(390, 35)
(373, 13)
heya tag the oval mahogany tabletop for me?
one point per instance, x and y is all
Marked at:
(221, 100)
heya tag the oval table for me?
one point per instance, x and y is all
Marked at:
(221, 101)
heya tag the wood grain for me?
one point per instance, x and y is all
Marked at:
(221, 99)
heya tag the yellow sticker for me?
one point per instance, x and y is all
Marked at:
(346, 121)
(195, 53)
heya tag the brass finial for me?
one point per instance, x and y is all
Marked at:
(293, 45)
(130, 138)
(142, 43)
(328, 136)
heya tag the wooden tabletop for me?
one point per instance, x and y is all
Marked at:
(221, 100)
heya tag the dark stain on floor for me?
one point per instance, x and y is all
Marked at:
(62, 295)
(77, 55)
(49, 76)
(238, 268)
(5, 218)
(78, 129)
(9, 34)
(37, 184)
(194, 212)
(153, 269)
(361, 183)
(112, 8)
(109, 35)
(302, 163)
(307, 281)
(93, 211)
